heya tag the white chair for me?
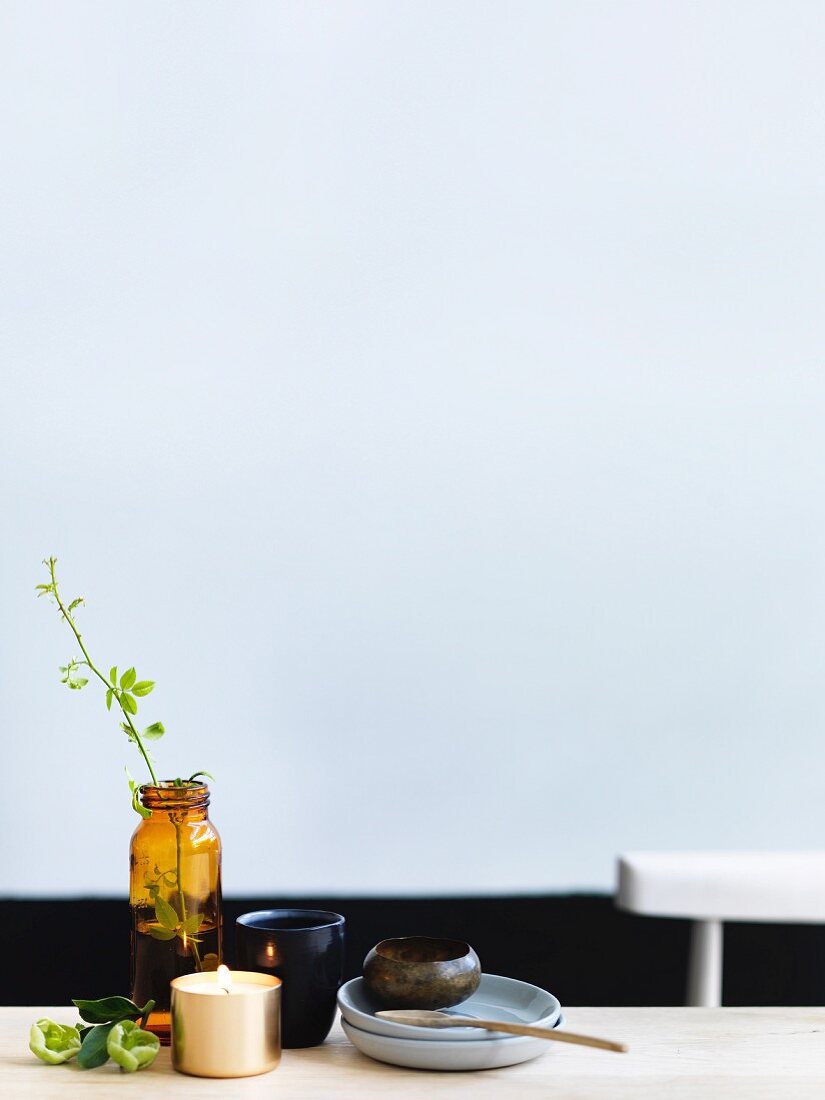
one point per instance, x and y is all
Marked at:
(712, 887)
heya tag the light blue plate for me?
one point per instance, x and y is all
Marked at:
(496, 998)
(506, 1051)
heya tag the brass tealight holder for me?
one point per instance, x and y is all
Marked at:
(226, 1024)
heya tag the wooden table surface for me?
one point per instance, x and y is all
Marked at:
(719, 1053)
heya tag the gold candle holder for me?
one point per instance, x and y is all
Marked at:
(226, 1025)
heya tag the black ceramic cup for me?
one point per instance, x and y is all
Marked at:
(305, 949)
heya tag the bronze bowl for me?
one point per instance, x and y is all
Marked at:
(420, 972)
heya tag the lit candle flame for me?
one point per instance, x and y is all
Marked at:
(224, 978)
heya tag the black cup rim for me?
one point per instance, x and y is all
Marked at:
(326, 919)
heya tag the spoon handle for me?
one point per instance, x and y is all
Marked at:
(541, 1033)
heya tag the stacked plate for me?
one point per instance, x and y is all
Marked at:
(455, 1048)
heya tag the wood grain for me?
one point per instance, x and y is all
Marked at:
(678, 1053)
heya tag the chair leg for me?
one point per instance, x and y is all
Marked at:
(705, 964)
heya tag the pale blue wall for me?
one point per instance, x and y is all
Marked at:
(430, 397)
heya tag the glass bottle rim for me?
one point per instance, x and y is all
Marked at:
(169, 795)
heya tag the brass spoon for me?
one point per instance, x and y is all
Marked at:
(420, 1018)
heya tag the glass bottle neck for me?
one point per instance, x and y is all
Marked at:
(188, 799)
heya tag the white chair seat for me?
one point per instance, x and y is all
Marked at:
(786, 887)
(711, 887)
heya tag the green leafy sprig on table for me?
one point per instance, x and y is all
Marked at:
(112, 1027)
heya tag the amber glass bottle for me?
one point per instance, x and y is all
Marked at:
(174, 894)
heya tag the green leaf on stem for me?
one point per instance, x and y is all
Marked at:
(137, 806)
(154, 732)
(135, 789)
(76, 603)
(128, 678)
(192, 924)
(93, 1052)
(147, 1008)
(113, 675)
(109, 694)
(158, 932)
(128, 702)
(107, 1010)
(143, 687)
(166, 913)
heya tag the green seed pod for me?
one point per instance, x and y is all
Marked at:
(53, 1043)
(131, 1047)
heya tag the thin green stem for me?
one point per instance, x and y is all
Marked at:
(93, 668)
(195, 952)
